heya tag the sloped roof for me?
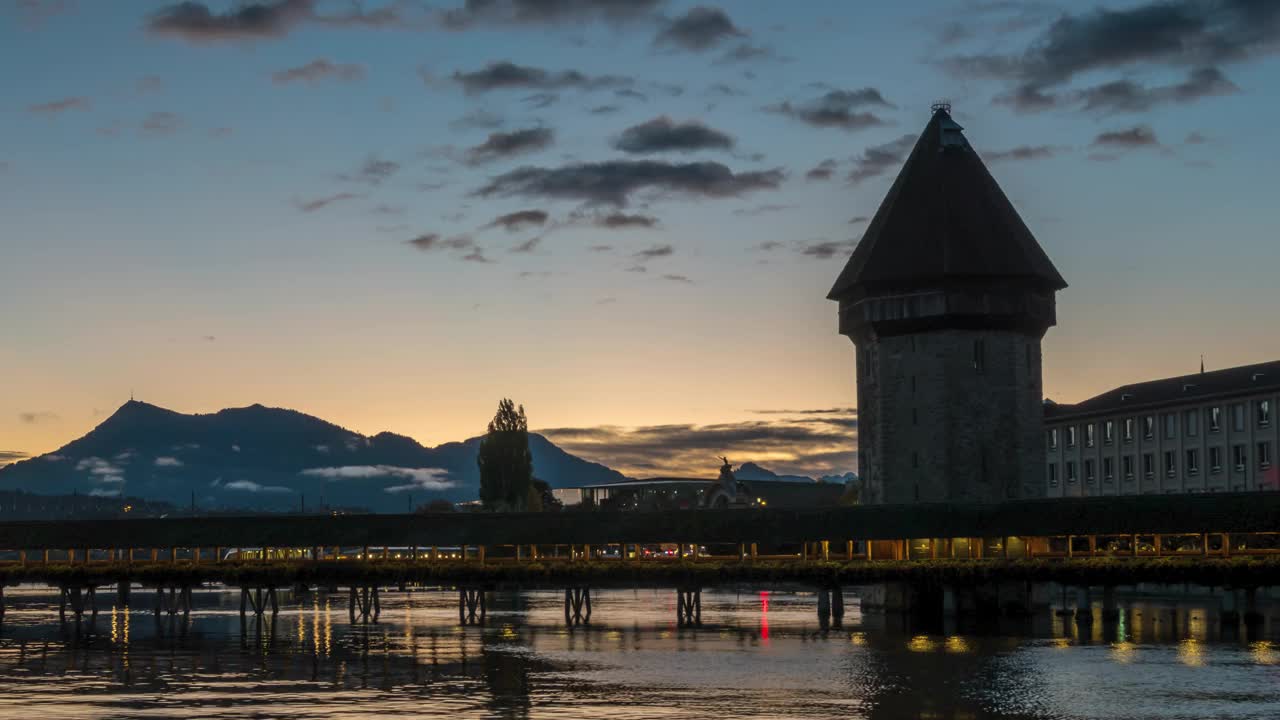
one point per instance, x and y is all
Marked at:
(1245, 379)
(945, 218)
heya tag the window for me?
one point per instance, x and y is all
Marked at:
(1109, 431)
(1128, 429)
(1053, 475)
(1108, 469)
(1149, 426)
(915, 417)
(1264, 455)
(1238, 457)
(1071, 436)
(1071, 472)
(1215, 419)
(1088, 435)
(1127, 463)
(915, 459)
(1170, 426)
(1088, 471)
(1053, 438)
(1148, 464)
(1192, 420)
(1215, 459)
(979, 355)
(913, 383)
(1193, 461)
(1264, 412)
(1170, 463)
(1237, 417)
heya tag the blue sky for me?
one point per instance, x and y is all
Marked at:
(166, 169)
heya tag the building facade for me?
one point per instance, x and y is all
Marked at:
(1203, 433)
(946, 298)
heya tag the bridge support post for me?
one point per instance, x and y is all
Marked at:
(1251, 615)
(1084, 605)
(1229, 607)
(471, 606)
(1, 601)
(256, 599)
(824, 608)
(123, 589)
(688, 607)
(577, 606)
(1110, 611)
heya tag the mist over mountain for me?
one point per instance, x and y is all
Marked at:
(260, 458)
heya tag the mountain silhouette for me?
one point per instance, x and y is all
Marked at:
(260, 458)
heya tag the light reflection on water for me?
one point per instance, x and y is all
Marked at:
(758, 655)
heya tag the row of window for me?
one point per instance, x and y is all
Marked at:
(1190, 424)
(1191, 457)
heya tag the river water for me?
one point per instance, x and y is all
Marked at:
(757, 655)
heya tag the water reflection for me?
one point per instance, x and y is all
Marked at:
(758, 654)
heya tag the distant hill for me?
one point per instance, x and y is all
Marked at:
(752, 471)
(261, 458)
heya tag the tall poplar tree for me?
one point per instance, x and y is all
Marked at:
(506, 464)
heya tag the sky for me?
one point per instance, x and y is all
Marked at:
(623, 214)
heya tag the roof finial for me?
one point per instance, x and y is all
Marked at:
(1201, 363)
(943, 105)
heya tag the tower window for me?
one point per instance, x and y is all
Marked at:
(979, 355)
(1237, 417)
(1053, 475)
(1149, 464)
(1071, 436)
(1170, 426)
(1071, 472)
(1053, 438)
(1128, 429)
(1089, 471)
(1108, 469)
(1088, 435)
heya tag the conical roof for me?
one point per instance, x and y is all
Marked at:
(945, 219)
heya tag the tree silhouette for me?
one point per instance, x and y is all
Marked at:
(506, 464)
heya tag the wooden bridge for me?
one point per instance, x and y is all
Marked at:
(1226, 540)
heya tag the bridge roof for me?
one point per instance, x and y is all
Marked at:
(1225, 512)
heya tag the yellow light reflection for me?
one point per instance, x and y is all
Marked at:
(858, 638)
(1123, 651)
(922, 643)
(1062, 643)
(1263, 652)
(1191, 652)
(957, 644)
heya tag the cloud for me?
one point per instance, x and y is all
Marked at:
(161, 123)
(810, 445)
(253, 487)
(810, 411)
(612, 182)
(37, 417)
(319, 69)
(526, 247)
(418, 478)
(662, 135)
(1128, 96)
(858, 219)
(150, 84)
(104, 492)
(1023, 152)
(54, 107)
(195, 22)
(168, 462)
(506, 75)
(678, 278)
(824, 249)
(604, 109)
(1134, 137)
(1196, 138)
(475, 13)
(12, 456)
(822, 171)
(101, 470)
(701, 28)
(477, 255)
(374, 171)
(619, 221)
(434, 241)
(519, 220)
(322, 202)
(656, 251)
(878, 159)
(538, 101)
(837, 109)
(746, 52)
(1165, 34)
(478, 119)
(503, 145)
(764, 209)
